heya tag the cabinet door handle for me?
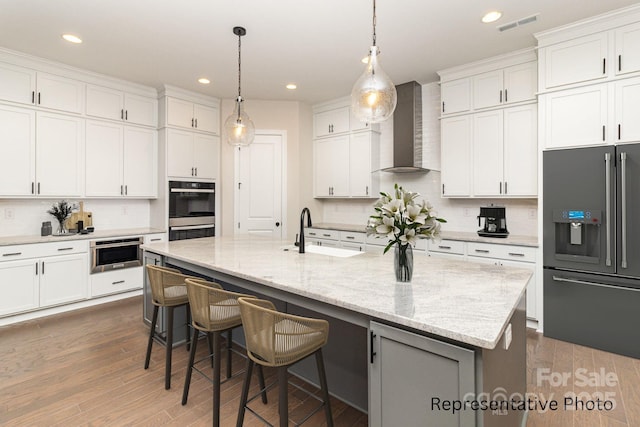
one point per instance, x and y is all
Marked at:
(43, 268)
(501, 188)
(618, 131)
(505, 187)
(604, 65)
(603, 132)
(118, 282)
(126, 190)
(121, 113)
(126, 114)
(505, 95)
(482, 251)
(33, 185)
(33, 96)
(192, 122)
(372, 353)
(367, 190)
(500, 97)
(64, 249)
(36, 268)
(39, 98)
(442, 189)
(191, 171)
(12, 254)
(619, 62)
(121, 190)
(196, 170)
(196, 122)
(38, 188)
(516, 254)
(443, 106)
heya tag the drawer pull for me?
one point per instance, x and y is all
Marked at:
(64, 249)
(13, 254)
(119, 282)
(327, 235)
(350, 237)
(444, 247)
(482, 251)
(312, 234)
(515, 254)
(156, 240)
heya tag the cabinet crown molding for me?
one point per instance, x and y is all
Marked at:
(187, 95)
(489, 64)
(603, 22)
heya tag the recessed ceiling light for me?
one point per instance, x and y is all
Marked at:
(491, 17)
(204, 81)
(292, 86)
(72, 39)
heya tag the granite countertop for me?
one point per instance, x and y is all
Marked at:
(99, 234)
(516, 240)
(464, 301)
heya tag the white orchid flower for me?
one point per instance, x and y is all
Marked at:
(409, 236)
(387, 227)
(415, 215)
(394, 207)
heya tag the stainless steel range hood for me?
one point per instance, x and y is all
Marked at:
(407, 130)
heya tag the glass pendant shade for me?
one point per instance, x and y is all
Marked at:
(238, 126)
(373, 97)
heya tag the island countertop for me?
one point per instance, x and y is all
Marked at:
(459, 300)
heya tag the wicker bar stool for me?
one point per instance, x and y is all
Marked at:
(279, 340)
(168, 290)
(213, 311)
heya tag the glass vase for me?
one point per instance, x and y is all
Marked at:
(403, 262)
(61, 228)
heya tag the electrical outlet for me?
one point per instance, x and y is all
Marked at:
(533, 213)
(124, 210)
(9, 213)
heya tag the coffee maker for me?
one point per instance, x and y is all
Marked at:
(495, 221)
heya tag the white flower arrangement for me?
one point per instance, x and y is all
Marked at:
(402, 220)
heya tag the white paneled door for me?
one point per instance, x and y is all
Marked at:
(259, 186)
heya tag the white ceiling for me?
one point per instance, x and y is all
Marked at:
(316, 44)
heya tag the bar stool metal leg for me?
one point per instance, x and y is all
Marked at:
(154, 319)
(169, 347)
(323, 387)
(192, 356)
(245, 392)
(216, 378)
(283, 396)
(229, 344)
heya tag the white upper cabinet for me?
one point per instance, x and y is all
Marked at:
(121, 161)
(521, 151)
(117, 105)
(575, 61)
(59, 93)
(17, 84)
(513, 84)
(575, 117)
(192, 155)
(26, 86)
(488, 89)
(627, 58)
(488, 153)
(186, 114)
(206, 155)
(363, 149)
(331, 166)
(456, 96)
(59, 155)
(627, 110)
(18, 148)
(327, 123)
(456, 156)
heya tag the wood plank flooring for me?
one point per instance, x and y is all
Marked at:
(86, 368)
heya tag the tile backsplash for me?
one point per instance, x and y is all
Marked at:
(461, 214)
(25, 216)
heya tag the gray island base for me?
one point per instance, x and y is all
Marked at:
(447, 349)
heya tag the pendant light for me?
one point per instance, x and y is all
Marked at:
(373, 97)
(238, 126)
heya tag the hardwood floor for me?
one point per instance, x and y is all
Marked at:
(85, 368)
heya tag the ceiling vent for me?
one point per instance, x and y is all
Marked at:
(518, 23)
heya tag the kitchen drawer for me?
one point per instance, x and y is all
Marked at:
(376, 240)
(446, 246)
(354, 246)
(17, 252)
(63, 247)
(351, 236)
(112, 282)
(153, 238)
(514, 253)
(320, 233)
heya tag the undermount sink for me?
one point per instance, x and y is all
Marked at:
(325, 250)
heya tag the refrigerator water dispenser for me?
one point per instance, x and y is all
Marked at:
(577, 235)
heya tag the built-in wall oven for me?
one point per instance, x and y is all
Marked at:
(107, 255)
(192, 209)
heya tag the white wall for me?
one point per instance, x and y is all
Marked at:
(25, 216)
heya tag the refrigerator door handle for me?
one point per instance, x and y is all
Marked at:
(607, 167)
(623, 202)
(585, 282)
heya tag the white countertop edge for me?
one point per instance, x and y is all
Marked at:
(100, 234)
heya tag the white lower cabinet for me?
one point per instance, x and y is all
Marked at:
(63, 279)
(19, 285)
(42, 275)
(409, 372)
(112, 282)
(453, 249)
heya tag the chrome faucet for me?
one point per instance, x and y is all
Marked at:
(308, 212)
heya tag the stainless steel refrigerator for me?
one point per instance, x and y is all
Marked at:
(591, 244)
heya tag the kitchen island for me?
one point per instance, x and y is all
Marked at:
(426, 348)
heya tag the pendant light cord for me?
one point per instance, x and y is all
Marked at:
(374, 22)
(239, 63)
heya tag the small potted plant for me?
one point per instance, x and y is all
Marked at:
(402, 220)
(61, 211)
